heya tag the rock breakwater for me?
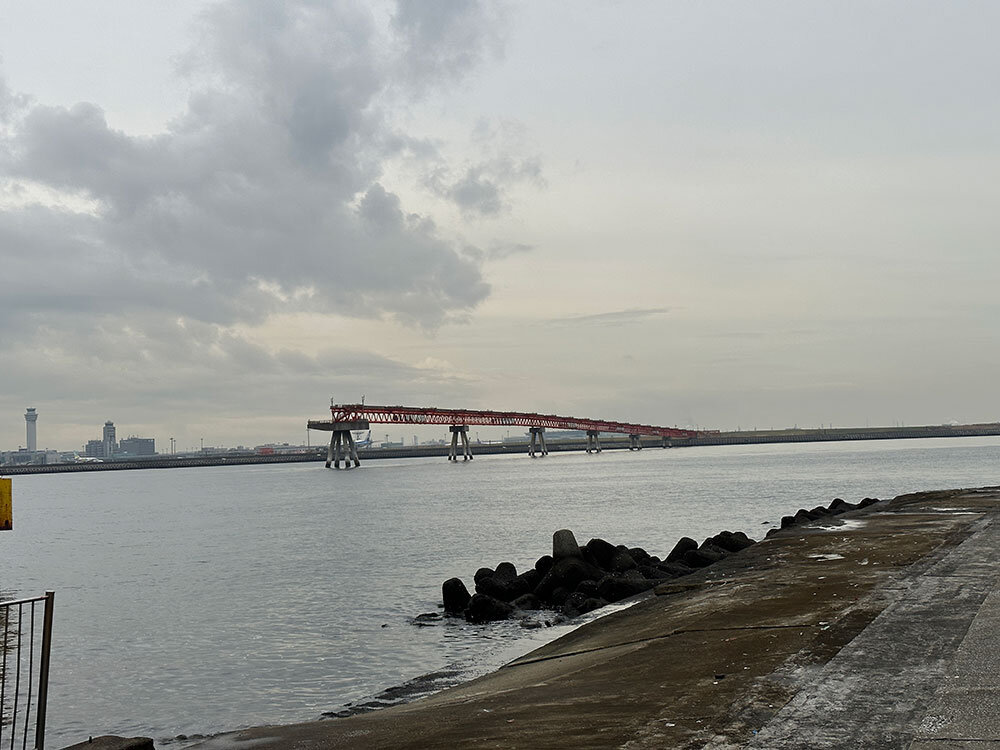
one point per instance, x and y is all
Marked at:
(575, 579)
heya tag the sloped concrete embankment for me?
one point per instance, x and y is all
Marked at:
(840, 632)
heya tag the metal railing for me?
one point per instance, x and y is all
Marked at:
(25, 645)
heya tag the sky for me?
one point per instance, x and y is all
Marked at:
(217, 216)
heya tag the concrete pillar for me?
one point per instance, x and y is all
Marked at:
(352, 450)
(537, 441)
(635, 442)
(665, 442)
(456, 431)
(338, 439)
(341, 441)
(466, 445)
(593, 441)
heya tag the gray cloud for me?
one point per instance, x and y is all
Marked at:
(480, 189)
(264, 194)
(214, 378)
(613, 318)
(446, 38)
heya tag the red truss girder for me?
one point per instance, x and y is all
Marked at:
(431, 415)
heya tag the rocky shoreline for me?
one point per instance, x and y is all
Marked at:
(575, 579)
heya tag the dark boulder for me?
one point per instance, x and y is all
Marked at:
(614, 588)
(867, 501)
(531, 578)
(456, 597)
(587, 587)
(564, 545)
(482, 573)
(544, 564)
(483, 608)
(703, 556)
(559, 595)
(727, 540)
(622, 560)
(731, 542)
(527, 601)
(566, 573)
(786, 521)
(841, 506)
(652, 572)
(803, 516)
(684, 544)
(503, 588)
(505, 571)
(639, 555)
(819, 511)
(577, 604)
(602, 552)
(674, 569)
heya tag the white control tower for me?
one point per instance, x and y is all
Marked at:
(30, 417)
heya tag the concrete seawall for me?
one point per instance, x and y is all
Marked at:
(873, 629)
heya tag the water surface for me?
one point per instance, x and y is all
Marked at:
(206, 599)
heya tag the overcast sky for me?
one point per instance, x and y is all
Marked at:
(214, 217)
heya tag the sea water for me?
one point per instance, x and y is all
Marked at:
(192, 601)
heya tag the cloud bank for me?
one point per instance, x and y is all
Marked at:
(262, 196)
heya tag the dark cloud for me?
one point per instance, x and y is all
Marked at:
(263, 195)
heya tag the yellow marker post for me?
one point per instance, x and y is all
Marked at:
(6, 511)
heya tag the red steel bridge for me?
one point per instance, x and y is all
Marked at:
(347, 417)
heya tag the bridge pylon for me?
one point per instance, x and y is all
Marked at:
(341, 441)
(537, 438)
(593, 441)
(456, 430)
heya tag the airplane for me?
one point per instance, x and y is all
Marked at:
(359, 443)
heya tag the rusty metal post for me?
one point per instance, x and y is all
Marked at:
(43, 669)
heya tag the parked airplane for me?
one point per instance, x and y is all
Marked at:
(359, 443)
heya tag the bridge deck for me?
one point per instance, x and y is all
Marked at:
(415, 415)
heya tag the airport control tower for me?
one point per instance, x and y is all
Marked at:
(110, 443)
(30, 417)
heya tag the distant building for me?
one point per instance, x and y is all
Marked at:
(110, 444)
(30, 417)
(94, 449)
(24, 457)
(137, 446)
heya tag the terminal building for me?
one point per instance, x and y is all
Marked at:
(109, 447)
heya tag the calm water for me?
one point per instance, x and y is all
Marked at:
(199, 600)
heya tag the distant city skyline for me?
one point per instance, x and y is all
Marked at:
(215, 216)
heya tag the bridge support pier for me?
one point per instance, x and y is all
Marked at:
(635, 442)
(456, 430)
(537, 437)
(593, 441)
(665, 442)
(341, 442)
